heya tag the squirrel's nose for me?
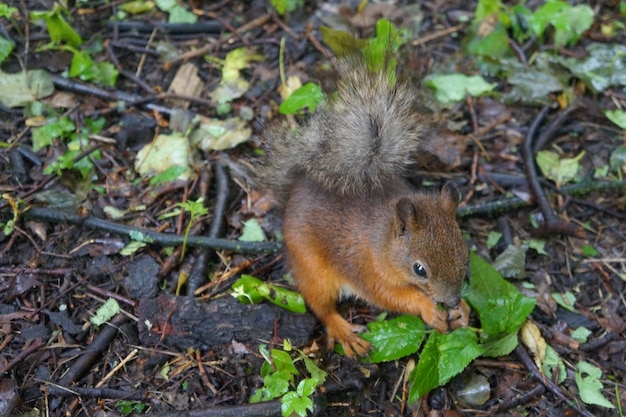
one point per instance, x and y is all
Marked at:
(453, 301)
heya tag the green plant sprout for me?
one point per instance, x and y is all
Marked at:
(279, 380)
(195, 209)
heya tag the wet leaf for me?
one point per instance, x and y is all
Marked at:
(252, 231)
(581, 334)
(21, 88)
(216, 134)
(604, 67)
(618, 159)
(453, 88)
(590, 251)
(6, 47)
(532, 86)
(493, 238)
(617, 116)
(552, 363)
(560, 170)
(308, 96)
(106, 312)
(58, 28)
(565, 300)
(501, 307)
(341, 42)
(511, 263)
(394, 339)
(163, 153)
(137, 6)
(589, 385)
(534, 341)
(443, 357)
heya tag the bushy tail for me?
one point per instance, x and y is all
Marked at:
(362, 138)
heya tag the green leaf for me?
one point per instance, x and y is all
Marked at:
(494, 44)
(617, 116)
(169, 175)
(283, 363)
(316, 372)
(501, 307)
(605, 66)
(45, 135)
(589, 386)
(252, 231)
(8, 12)
(453, 88)
(576, 20)
(6, 47)
(544, 15)
(105, 73)
(443, 357)
(307, 96)
(251, 290)
(105, 312)
(566, 300)
(486, 8)
(580, 334)
(137, 6)
(22, 88)
(307, 387)
(553, 362)
(341, 42)
(617, 161)
(394, 339)
(532, 86)
(277, 383)
(493, 238)
(590, 251)
(82, 66)
(179, 14)
(165, 5)
(539, 245)
(378, 51)
(280, 6)
(498, 345)
(58, 29)
(292, 403)
(559, 170)
(511, 263)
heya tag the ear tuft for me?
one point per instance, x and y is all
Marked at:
(450, 195)
(406, 216)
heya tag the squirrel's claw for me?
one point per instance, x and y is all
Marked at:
(435, 317)
(459, 315)
(352, 344)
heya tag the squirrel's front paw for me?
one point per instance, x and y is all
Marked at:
(436, 318)
(459, 315)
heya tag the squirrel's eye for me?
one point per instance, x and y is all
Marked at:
(419, 270)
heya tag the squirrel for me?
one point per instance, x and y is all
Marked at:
(353, 222)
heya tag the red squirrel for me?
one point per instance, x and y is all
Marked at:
(353, 223)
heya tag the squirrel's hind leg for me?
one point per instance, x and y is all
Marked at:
(320, 285)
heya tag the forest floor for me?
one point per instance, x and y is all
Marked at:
(84, 224)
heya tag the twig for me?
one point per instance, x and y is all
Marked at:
(198, 274)
(93, 352)
(552, 224)
(550, 386)
(442, 33)
(509, 204)
(165, 239)
(37, 343)
(558, 121)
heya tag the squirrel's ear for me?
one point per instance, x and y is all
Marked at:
(406, 217)
(450, 196)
